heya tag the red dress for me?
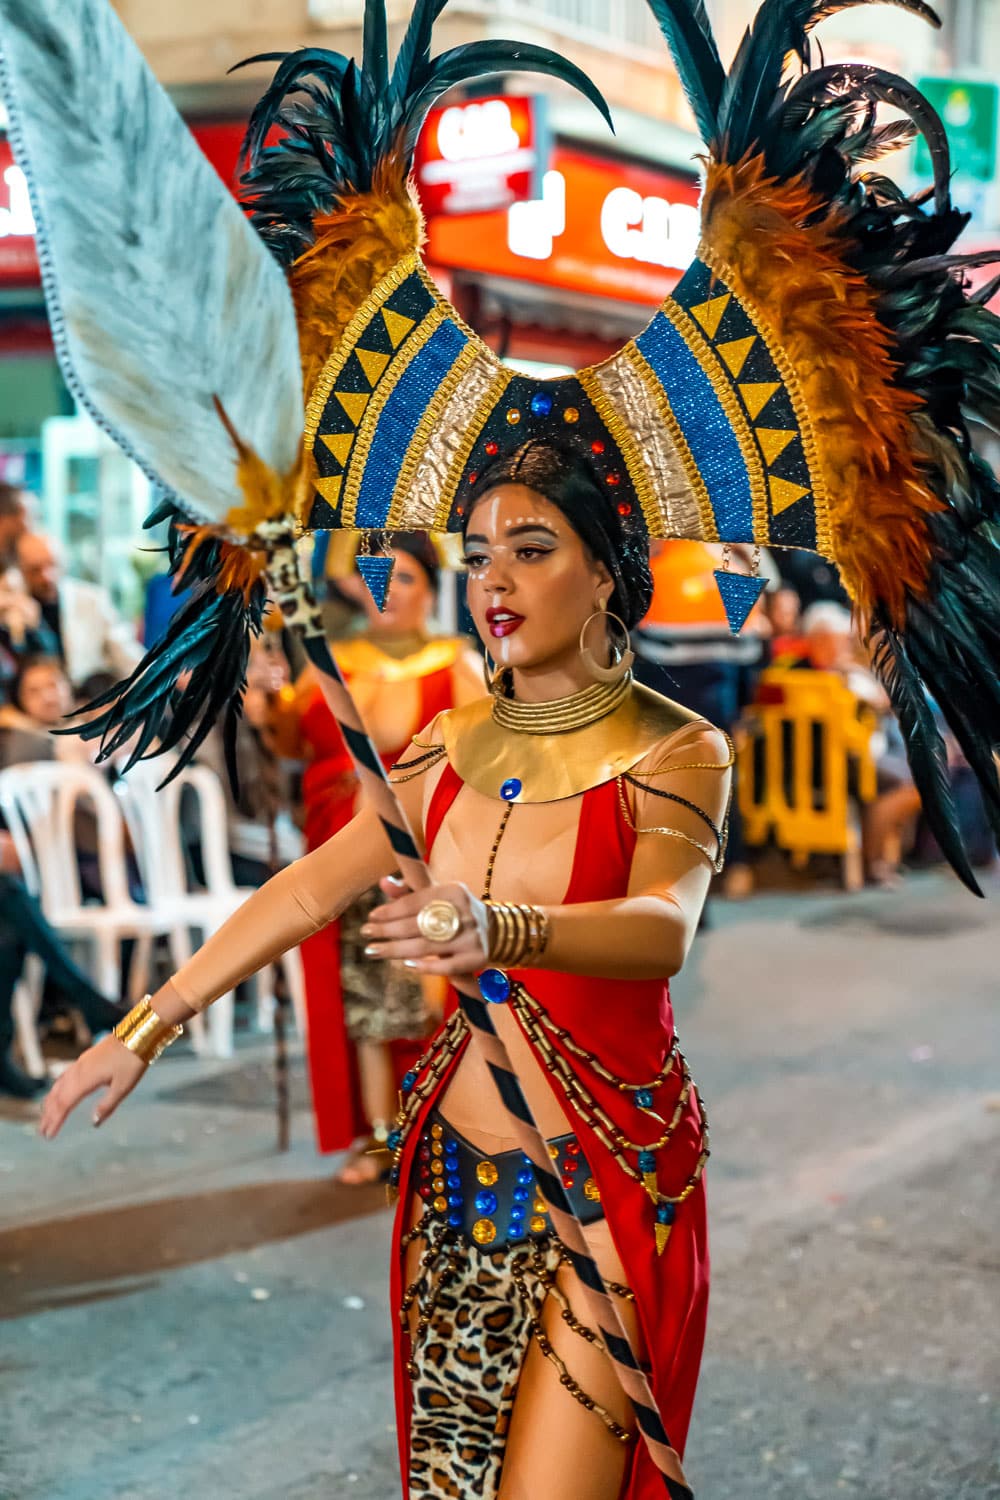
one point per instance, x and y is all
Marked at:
(628, 1025)
(329, 785)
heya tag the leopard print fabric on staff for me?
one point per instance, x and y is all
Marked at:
(477, 1315)
(382, 1001)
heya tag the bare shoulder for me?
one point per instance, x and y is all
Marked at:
(688, 743)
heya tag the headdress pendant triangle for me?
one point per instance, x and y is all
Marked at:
(739, 591)
(377, 574)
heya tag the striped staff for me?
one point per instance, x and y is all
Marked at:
(603, 1310)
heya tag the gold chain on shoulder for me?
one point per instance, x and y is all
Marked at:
(716, 860)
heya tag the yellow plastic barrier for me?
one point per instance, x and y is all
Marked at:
(794, 765)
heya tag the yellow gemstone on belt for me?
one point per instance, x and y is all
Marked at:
(538, 1224)
(539, 1206)
(486, 1173)
(484, 1231)
(553, 1151)
(440, 1205)
(437, 1149)
(437, 1131)
(591, 1191)
(438, 1184)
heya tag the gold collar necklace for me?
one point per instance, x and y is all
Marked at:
(560, 715)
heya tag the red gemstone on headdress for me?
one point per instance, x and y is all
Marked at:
(614, 479)
(493, 449)
(597, 446)
(473, 478)
(624, 509)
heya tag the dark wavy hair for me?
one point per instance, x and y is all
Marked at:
(565, 479)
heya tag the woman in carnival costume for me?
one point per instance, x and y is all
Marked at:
(808, 384)
(366, 1019)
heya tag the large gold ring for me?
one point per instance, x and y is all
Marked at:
(439, 921)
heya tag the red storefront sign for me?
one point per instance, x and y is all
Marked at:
(18, 259)
(482, 155)
(603, 227)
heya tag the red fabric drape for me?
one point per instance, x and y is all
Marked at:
(629, 1026)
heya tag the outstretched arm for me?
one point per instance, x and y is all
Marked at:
(292, 905)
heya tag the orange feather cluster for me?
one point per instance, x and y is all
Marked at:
(239, 567)
(354, 247)
(786, 252)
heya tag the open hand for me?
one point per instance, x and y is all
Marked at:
(109, 1065)
(392, 931)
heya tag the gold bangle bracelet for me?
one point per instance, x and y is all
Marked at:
(518, 935)
(145, 1033)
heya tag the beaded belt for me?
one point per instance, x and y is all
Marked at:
(494, 1200)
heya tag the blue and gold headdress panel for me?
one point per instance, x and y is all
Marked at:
(691, 427)
(811, 383)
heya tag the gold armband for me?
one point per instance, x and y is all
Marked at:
(518, 935)
(145, 1033)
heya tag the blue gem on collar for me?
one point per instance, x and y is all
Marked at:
(511, 789)
(541, 404)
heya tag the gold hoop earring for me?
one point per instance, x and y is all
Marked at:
(626, 657)
(495, 679)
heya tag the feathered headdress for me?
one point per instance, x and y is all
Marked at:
(810, 382)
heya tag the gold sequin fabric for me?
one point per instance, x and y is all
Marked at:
(381, 1002)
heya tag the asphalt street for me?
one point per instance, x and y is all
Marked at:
(184, 1312)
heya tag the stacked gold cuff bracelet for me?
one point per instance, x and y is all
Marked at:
(145, 1033)
(518, 935)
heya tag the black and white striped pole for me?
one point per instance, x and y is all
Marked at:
(603, 1311)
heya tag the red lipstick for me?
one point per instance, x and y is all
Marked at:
(503, 622)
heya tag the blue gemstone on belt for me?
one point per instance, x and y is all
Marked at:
(486, 1202)
(451, 1150)
(494, 986)
(454, 1200)
(510, 789)
(517, 1213)
(644, 1098)
(521, 1194)
(541, 404)
(454, 1181)
(647, 1161)
(525, 1176)
(393, 1139)
(666, 1213)
(409, 1079)
(455, 1220)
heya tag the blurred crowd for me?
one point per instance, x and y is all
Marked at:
(63, 644)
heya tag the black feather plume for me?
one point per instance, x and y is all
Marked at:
(336, 120)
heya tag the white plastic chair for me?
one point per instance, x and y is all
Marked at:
(39, 803)
(154, 817)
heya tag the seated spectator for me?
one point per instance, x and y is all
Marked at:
(831, 644)
(259, 823)
(22, 630)
(88, 632)
(15, 518)
(40, 699)
(784, 611)
(24, 930)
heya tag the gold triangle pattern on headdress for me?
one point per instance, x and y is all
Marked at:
(744, 354)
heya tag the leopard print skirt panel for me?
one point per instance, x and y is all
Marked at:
(477, 1313)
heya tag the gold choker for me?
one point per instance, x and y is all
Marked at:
(560, 715)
